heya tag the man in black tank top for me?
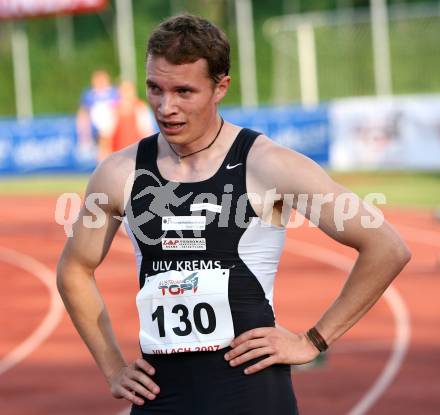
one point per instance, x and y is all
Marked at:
(193, 200)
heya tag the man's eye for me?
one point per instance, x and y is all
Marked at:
(183, 91)
(154, 89)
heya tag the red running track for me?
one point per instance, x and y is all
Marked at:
(56, 375)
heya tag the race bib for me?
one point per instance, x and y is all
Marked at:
(185, 311)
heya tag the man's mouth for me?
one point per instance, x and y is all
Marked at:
(173, 125)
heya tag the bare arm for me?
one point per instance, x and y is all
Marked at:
(82, 254)
(76, 282)
(382, 253)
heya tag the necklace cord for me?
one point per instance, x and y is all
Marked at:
(204, 148)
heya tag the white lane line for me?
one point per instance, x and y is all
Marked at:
(422, 236)
(52, 317)
(395, 361)
(398, 309)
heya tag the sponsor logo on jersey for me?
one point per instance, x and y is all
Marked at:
(178, 287)
(184, 223)
(184, 244)
(229, 167)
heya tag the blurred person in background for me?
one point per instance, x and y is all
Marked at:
(133, 118)
(95, 118)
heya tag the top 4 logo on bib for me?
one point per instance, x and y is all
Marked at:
(179, 287)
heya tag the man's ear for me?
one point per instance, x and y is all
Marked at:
(222, 88)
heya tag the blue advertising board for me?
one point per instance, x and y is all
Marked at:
(303, 130)
(42, 145)
(50, 144)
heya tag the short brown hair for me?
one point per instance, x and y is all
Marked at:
(186, 39)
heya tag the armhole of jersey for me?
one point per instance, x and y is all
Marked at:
(141, 160)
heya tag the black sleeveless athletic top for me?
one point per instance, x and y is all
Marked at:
(206, 265)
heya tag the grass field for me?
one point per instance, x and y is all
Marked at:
(405, 189)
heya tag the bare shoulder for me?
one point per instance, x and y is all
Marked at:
(274, 166)
(113, 177)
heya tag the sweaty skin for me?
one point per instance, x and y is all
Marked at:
(184, 101)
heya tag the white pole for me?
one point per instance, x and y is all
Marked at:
(307, 65)
(246, 52)
(381, 47)
(126, 44)
(22, 73)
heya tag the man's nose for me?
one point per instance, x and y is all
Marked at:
(167, 105)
